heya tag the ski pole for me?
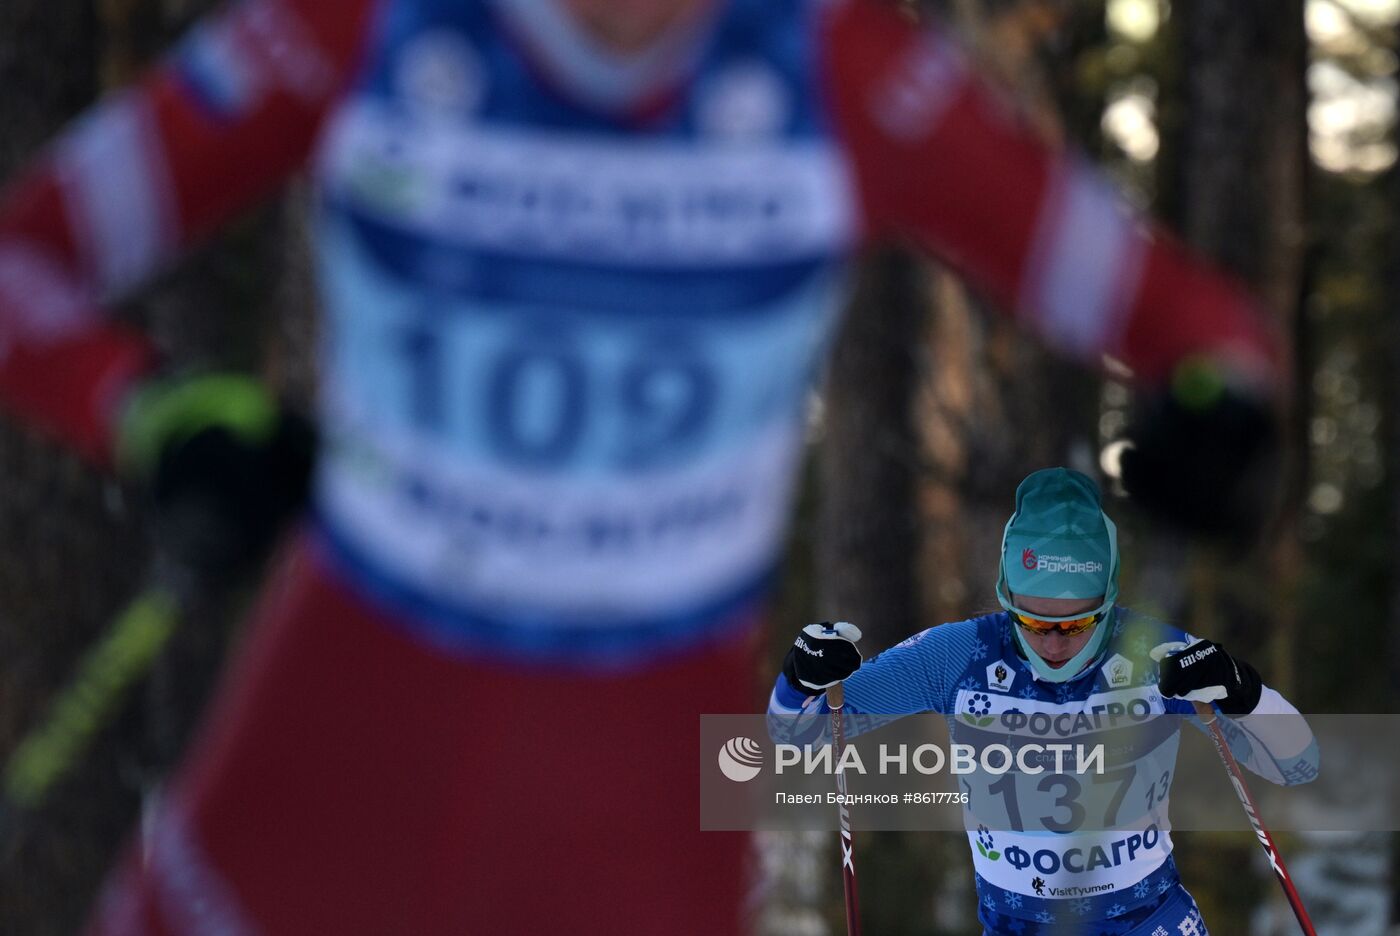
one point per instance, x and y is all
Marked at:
(107, 670)
(92, 698)
(1232, 767)
(836, 700)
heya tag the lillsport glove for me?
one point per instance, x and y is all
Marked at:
(224, 464)
(1204, 672)
(1203, 454)
(822, 655)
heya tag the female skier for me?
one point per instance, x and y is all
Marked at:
(579, 261)
(1062, 645)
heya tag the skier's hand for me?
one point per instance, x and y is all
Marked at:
(1203, 454)
(1204, 672)
(224, 464)
(821, 656)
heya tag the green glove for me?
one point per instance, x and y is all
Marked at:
(224, 463)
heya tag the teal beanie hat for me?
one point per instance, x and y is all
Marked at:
(1059, 543)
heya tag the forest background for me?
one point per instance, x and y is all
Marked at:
(1263, 130)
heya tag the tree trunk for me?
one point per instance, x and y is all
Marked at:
(1391, 402)
(1239, 184)
(869, 523)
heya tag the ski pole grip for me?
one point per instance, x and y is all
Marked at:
(1204, 712)
(836, 696)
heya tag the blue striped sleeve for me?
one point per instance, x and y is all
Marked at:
(918, 675)
(1273, 741)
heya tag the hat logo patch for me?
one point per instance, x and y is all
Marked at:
(1030, 560)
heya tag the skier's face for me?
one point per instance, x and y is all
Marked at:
(627, 26)
(1055, 648)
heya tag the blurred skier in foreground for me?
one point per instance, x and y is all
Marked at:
(580, 262)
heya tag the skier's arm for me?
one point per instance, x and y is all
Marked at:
(146, 173)
(1265, 732)
(908, 678)
(1274, 741)
(942, 158)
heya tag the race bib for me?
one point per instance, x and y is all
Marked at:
(567, 358)
(1082, 809)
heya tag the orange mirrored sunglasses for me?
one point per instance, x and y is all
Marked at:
(1068, 628)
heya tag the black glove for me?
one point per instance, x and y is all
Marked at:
(1204, 672)
(822, 656)
(1203, 455)
(224, 464)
